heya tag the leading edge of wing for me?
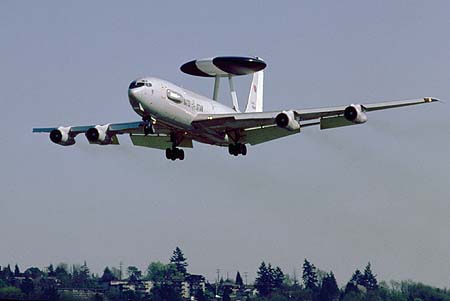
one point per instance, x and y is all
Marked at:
(249, 120)
(117, 128)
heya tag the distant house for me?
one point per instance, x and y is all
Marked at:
(135, 286)
(80, 293)
(191, 286)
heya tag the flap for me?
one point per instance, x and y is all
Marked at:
(268, 133)
(157, 141)
(334, 122)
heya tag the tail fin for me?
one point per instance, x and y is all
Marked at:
(255, 97)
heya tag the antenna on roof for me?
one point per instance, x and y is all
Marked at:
(224, 66)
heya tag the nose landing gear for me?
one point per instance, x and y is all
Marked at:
(237, 149)
(148, 127)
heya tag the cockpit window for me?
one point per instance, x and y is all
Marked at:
(175, 96)
(136, 84)
(148, 84)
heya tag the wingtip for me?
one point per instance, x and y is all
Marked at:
(431, 99)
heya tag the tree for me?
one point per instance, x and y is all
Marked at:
(7, 273)
(51, 271)
(369, 279)
(278, 278)
(16, 271)
(226, 293)
(352, 284)
(107, 276)
(81, 275)
(309, 276)
(179, 261)
(160, 272)
(263, 281)
(134, 273)
(238, 280)
(62, 274)
(33, 273)
(27, 286)
(329, 290)
(11, 292)
(2, 284)
(116, 272)
(166, 281)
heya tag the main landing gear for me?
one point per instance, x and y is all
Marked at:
(237, 149)
(174, 153)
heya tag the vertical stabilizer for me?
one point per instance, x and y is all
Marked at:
(255, 97)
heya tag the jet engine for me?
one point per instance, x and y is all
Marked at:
(62, 136)
(355, 114)
(286, 120)
(99, 135)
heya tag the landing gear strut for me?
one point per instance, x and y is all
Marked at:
(148, 127)
(237, 149)
(174, 153)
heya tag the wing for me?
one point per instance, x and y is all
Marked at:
(256, 128)
(107, 134)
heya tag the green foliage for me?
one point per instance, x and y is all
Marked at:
(329, 290)
(33, 272)
(166, 281)
(81, 276)
(238, 280)
(423, 292)
(271, 283)
(27, 286)
(16, 271)
(3, 284)
(179, 261)
(107, 276)
(160, 272)
(309, 276)
(134, 273)
(268, 279)
(263, 282)
(369, 279)
(62, 274)
(51, 271)
(278, 277)
(11, 292)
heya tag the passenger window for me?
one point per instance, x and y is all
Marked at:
(175, 96)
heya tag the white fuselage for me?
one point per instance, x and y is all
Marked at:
(175, 106)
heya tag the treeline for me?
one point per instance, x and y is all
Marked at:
(317, 285)
(172, 281)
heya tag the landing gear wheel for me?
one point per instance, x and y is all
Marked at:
(168, 153)
(236, 149)
(174, 153)
(181, 154)
(243, 149)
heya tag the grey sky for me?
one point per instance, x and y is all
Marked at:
(378, 192)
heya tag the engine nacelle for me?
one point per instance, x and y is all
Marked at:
(99, 135)
(62, 136)
(286, 120)
(355, 114)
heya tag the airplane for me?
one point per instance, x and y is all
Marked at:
(173, 117)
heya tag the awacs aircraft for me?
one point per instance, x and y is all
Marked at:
(173, 117)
